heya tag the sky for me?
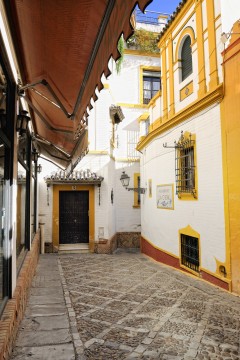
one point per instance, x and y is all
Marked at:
(163, 6)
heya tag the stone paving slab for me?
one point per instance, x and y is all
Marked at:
(53, 352)
(45, 333)
(40, 323)
(125, 306)
(53, 290)
(46, 310)
(40, 338)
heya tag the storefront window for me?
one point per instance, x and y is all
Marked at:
(32, 205)
(21, 203)
(2, 212)
(4, 186)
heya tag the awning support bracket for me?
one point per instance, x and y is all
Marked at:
(51, 91)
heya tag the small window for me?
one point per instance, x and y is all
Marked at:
(132, 140)
(186, 58)
(151, 85)
(185, 165)
(190, 252)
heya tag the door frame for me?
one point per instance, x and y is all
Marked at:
(55, 218)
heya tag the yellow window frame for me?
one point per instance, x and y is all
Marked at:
(187, 143)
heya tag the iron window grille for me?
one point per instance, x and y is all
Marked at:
(151, 85)
(185, 166)
(190, 252)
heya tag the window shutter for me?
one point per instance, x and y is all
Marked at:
(186, 58)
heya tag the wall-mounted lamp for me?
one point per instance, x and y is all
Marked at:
(22, 122)
(3, 120)
(225, 36)
(39, 168)
(125, 182)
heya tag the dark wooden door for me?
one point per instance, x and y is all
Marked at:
(73, 217)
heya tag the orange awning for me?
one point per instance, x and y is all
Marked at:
(63, 48)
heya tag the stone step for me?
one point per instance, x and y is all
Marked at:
(81, 248)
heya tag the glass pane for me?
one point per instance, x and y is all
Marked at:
(32, 204)
(21, 204)
(147, 85)
(3, 272)
(2, 215)
(156, 85)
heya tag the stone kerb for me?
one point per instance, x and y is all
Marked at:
(15, 307)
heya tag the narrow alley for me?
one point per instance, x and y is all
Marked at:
(124, 306)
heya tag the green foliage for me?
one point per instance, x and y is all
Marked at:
(144, 40)
(121, 51)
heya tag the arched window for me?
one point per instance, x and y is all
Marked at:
(186, 58)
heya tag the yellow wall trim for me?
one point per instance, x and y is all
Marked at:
(55, 225)
(137, 106)
(143, 117)
(189, 231)
(228, 281)
(186, 91)
(191, 196)
(188, 31)
(98, 152)
(177, 21)
(156, 123)
(192, 109)
(135, 194)
(141, 70)
(150, 188)
(220, 264)
(230, 154)
(153, 100)
(188, 273)
(128, 160)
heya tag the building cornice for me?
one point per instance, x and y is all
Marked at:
(181, 116)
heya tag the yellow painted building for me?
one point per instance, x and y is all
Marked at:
(189, 142)
(231, 150)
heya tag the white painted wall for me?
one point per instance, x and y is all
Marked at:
(125, 87)
(230, 13)
(121, 215)
(205, 215)
(45, 208)
(128, 218)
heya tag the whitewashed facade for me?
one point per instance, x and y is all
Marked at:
(112, 149)
(192, 232)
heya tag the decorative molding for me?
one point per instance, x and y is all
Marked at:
(127, 160)
(194, 108)
(136, 106)
(186, 91)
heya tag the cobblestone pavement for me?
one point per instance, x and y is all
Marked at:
(127, 306)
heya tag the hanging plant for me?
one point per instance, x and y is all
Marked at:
(121, 51)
